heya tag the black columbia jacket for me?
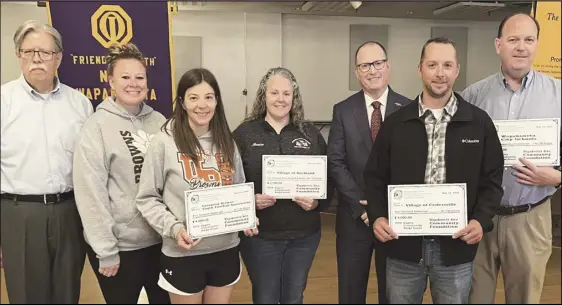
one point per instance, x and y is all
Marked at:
(473, 155)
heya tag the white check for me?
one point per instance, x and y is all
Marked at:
(220, 210)
(427, 209)
(289, 176)
(537, 140)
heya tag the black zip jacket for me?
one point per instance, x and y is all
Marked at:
(473, 155)
(285, 219)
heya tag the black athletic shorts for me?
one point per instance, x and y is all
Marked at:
(191, 274)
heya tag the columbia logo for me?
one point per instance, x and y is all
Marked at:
(168, 272)
(469, 141)
(257, 144)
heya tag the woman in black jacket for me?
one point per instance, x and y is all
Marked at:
(279, 258)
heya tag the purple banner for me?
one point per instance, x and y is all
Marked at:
(88, 28)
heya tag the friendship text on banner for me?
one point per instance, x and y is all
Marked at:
(88, 28)
(548, 56)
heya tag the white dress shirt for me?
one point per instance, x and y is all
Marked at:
(38, 136)
(369, 104)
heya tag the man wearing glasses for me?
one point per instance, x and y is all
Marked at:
(354, 127)
(42, 246)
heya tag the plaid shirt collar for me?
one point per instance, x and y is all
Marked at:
(450, 108)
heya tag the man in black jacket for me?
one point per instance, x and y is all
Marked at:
(438, 139)
(355, 124)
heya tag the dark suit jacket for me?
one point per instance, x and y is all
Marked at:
(349, 146)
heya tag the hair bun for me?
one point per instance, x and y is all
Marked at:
(129, 50)
(117, 52)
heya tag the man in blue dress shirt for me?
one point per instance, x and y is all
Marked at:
(43, 249)
(521, 242)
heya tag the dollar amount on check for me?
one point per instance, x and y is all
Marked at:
(220, 210)
(286, 177)
(427, 209)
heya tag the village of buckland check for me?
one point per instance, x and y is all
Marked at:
(290, 176)
(220, 210)
(427, 209)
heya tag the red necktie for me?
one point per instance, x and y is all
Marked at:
(376, 120)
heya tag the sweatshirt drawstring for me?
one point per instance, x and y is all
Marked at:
(132, 119)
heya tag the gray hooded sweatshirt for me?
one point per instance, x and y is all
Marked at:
(108, 160)
(165, 177)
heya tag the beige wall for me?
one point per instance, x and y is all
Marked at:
(239, 48)
(12, 15)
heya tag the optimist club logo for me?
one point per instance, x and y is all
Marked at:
(111, 25)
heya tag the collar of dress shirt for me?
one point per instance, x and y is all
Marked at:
(450, 108)
(383, 99)
(30, 89)
(525, 82)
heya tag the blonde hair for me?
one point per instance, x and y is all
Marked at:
(296, 115)
(117, 52)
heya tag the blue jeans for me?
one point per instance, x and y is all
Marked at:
(278, 268)
(406, 281)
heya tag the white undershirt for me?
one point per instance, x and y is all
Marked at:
(437, 113)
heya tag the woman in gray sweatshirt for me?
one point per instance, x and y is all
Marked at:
(123, 250)
(194, 150)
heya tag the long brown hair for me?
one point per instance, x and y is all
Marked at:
(185, 138)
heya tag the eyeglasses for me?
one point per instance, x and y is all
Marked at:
(44, 55)
(378, 65)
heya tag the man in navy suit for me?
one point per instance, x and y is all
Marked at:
(354, 127)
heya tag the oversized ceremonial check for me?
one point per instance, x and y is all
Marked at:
(427, 209)
(289, 176)
(220, 210)
(537, 140)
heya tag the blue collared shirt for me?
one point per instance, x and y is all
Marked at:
(38, 136)
(538, 98)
